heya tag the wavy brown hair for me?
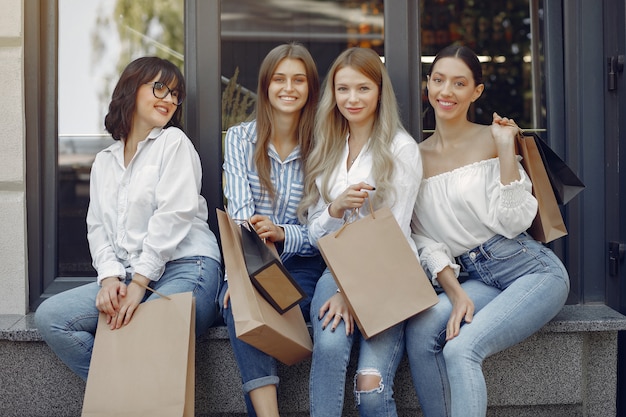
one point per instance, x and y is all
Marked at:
(264, 111)
(119, 119)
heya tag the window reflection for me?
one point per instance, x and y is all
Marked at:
(97, 39)
(500, 33)
(251, 28)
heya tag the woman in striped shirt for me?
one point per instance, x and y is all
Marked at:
(263, 167)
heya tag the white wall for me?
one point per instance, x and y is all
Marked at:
(13, 252)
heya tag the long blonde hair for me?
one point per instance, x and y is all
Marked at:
(331, 129)
(264, 111)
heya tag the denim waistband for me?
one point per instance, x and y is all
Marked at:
(480, 252)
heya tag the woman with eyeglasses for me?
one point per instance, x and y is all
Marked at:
(146, 223)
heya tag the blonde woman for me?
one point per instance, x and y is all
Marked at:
(361, 151)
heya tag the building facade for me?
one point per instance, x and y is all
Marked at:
(565, 80)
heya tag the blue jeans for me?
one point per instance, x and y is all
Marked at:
(257, 368)
(517, 286)
(379, 355)
(67, 321)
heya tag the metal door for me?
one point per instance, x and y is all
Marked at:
(615, 156)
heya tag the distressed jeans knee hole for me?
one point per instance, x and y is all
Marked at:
(364, 373)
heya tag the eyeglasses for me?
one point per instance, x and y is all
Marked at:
(160, 90)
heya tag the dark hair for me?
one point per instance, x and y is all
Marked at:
(141, 71)
(466, 55)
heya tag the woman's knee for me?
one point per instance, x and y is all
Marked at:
(45, 315)
(372, 392)
(458, 351)
(368, 380)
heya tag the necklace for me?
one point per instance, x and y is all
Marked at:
(352, 160)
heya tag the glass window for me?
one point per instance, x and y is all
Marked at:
(251, 28)
(500, 33)
(97, 39)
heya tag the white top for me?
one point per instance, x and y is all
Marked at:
(151, 212)
(406, 180)
(461, 209)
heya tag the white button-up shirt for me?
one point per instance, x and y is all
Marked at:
(406, 180)
(150, 212)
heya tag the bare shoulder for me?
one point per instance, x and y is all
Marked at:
(480, 132)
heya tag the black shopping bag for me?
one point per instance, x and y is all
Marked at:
(267, 273)
(564, 181)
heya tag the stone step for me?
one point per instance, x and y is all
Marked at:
(566, 369)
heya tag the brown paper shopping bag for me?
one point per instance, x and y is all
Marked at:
(377, 271)
(282, 336)
(548, 224)
(565, 183)
(146, 368)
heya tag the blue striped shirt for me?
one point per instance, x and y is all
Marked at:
(244, 194)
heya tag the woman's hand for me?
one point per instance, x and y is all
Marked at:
(462, 310)
(352, 198)
(503, 130)
(333, 311)
(462, 304)
(129, 302)
(266, 229)
(108, 298)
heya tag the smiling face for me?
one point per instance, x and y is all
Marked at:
(150, 111)
(452, 89)
(288, 90)
(356, 96)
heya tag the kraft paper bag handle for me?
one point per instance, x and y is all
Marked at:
(354, 215)
(146, 287)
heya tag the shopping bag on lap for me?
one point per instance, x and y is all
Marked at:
(377, 272)
(146, 368)
(282, 336)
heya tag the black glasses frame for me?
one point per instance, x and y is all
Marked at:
(158, 85)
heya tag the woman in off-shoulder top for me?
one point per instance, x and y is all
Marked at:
(474, 206)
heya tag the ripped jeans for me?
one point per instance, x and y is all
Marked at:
(379, 355)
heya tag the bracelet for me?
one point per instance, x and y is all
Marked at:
(144, 286)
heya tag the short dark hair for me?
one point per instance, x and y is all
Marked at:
(140, 71)
(466, 55)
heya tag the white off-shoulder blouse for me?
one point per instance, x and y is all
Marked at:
(461, 209)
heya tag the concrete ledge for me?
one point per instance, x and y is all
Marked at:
(569, 368)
